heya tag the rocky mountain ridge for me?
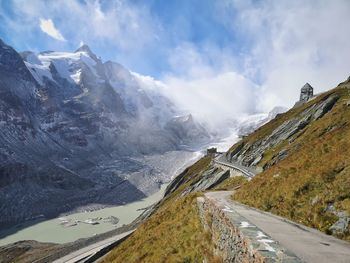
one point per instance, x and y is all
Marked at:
(71, 127)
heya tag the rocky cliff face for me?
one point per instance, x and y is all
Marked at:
(71, 127)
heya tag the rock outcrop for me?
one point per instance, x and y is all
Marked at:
(250, 154)
(209, 179)
(204, 181)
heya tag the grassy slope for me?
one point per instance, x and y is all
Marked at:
(173, 233)
(301, 187)
(315, 174)
(26, 251)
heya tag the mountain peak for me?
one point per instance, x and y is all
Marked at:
(86, 48)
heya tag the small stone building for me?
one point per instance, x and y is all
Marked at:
(212, 151)
(306, 93)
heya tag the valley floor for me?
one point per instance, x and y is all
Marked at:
(64, 228)
(53, 231)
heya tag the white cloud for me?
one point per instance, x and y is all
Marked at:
(282, 45)
(116, 24)
(204, 82)
(294, 42)
(213, 99)
(48, 27)
(288, 43)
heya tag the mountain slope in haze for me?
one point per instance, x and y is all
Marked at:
(71, 127)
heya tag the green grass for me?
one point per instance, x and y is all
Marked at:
(315, 174)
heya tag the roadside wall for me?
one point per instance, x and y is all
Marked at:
(234, 243)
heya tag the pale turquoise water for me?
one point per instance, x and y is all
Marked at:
(52, 231)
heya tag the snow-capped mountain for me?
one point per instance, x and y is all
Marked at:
(71, 127)
(249, 123)
(243, 126)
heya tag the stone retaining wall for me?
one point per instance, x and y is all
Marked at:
(234, 242)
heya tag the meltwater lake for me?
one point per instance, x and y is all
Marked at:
(64, 229)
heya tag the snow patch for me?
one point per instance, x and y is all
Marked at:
(67, 64)
(39, 72)
(76, 76)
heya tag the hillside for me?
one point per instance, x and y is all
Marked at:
(305, 158)
(173, 233)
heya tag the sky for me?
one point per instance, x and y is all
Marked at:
(216, 58)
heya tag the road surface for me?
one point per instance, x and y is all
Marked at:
(86, 252)
(306, 243)
(248, 172)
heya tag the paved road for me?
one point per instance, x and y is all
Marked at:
(308, 244)
(86, 252)
(248, 172)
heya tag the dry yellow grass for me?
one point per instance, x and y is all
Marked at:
(315, 174)
(173, 234)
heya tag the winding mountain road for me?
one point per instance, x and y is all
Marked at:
(306, 243)
(248, 172)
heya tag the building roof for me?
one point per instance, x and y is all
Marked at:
(307, 86)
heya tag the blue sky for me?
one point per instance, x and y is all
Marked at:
(254, 54)
(169, 23)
